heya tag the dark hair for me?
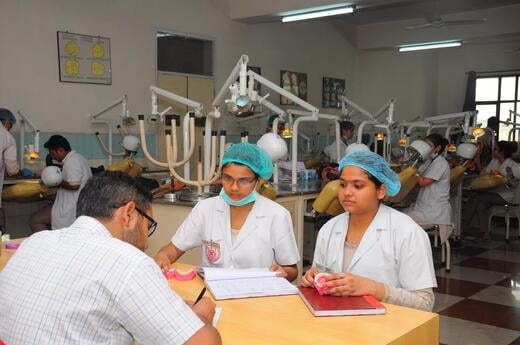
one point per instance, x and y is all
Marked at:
(109, 190)
(57, 141)
(346, 126)
(506, 148)
(492, 123)
(438, 140)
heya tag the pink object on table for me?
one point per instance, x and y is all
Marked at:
(184, 275)
(319, 283)
(170, 274)
(12, 245)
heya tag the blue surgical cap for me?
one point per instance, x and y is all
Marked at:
(5, 114)
(375, 165)
(252, 156)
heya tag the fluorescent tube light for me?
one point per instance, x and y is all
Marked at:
(429, 45)
(318, 14)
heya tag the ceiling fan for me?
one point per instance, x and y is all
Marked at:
(437, 22)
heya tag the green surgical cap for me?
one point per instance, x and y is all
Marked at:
(252, 156)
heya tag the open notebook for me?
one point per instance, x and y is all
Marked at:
(227, 283)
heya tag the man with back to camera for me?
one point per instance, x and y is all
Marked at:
(8, 163)
(347, 132)
(91, 283)
(75, 174)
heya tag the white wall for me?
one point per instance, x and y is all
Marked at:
(411, 79)
(29, 64)
(454, 63)
(426, 82)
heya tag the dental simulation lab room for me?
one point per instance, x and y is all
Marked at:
(260, 172)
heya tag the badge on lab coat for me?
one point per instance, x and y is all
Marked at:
(212, 251)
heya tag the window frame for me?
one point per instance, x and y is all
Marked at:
(498, 102)
(156, 30)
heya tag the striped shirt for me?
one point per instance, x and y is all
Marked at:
(80, 285)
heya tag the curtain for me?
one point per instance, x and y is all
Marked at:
(471, 85)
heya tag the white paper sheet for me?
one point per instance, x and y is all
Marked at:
(210, 273)
(250, 287)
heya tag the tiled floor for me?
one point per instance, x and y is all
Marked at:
(479, 300)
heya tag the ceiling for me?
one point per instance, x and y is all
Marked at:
(378, 24)
(367, 11)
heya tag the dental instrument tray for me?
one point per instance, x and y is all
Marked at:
(187, 195)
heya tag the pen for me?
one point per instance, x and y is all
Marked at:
(199, 297)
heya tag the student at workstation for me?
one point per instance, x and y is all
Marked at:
(239, 228)
(91, 283)
(481, 203)
(8, 163)
(75, 174)
(372, 249)
(433, 178)
(346, 133)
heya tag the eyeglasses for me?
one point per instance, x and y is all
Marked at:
(152, 223)
(242, 182)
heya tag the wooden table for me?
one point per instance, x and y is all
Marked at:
(286, 320)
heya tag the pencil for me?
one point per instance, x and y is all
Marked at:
(199, 297)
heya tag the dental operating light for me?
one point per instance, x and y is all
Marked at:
(30, 154)
(318, 14)
(429, 45)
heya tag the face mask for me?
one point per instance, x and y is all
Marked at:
(248, 199)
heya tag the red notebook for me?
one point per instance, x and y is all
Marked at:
(336, 306)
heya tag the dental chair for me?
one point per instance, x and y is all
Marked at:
(508, 210)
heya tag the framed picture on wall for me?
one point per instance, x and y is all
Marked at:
(295, 83)
(332, 89)
(257, 86)
(84, 58)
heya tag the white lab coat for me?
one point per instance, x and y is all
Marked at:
(330, 150)
(394, 250)
(433, 201)
(75, 171)
(508, 194)
(7, 153)
(266, 237)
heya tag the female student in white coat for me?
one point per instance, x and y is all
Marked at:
(372, 249)
(483, 200)
(433, 200)
(239, 228)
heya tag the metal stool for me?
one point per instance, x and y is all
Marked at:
(445, 248)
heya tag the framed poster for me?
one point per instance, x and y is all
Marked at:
(332, 89)
(84, 58)
(295, 83)
(257, 86)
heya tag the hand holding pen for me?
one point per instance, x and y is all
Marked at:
(204, 307)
